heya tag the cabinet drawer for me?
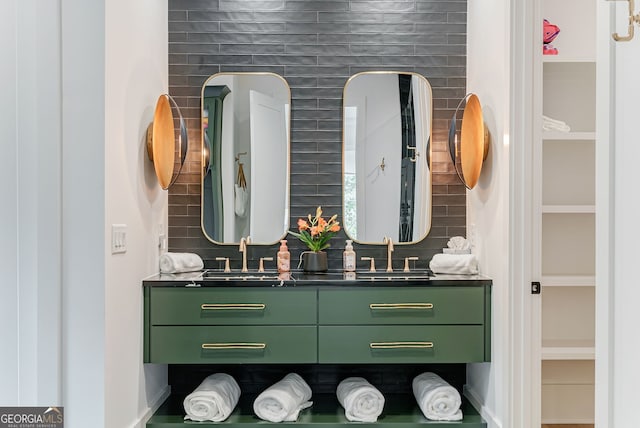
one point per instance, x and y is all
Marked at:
(401, 344)
(232, 306)
(233, 344)
(433, 305)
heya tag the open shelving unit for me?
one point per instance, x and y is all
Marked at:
(565, 214)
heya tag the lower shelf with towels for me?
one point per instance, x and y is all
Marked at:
(400, 411)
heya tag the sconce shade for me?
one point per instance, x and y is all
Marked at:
(162, 138)
(470, 150)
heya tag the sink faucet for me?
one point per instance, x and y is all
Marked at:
(389, 243)
(243, 249)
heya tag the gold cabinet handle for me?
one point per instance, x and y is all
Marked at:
(233, 306)
(401, 306)
(239, 345)
(400, 345)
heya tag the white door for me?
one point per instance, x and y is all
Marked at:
(618, 292)
(269, 158)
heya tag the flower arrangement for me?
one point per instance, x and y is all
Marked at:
(316, 232)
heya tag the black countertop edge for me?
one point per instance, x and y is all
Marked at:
(209, 278)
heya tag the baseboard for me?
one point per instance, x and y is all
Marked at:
(153, 406)
(487, 415)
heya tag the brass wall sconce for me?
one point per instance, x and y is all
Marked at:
(469, 148)
(633, 18)
(167, 141)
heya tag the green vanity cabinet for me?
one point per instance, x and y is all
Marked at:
(318, 326)
(202, 325)
(400, 344)
(402, 305)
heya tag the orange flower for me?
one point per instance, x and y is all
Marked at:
(334, 228)
(322, 223)
(302, 225)
(314, 231)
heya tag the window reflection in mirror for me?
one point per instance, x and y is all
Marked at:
(386, 157)
(245, 148)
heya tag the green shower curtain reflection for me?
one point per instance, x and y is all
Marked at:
(213, 99)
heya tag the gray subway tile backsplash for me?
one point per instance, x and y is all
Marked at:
(316, 46)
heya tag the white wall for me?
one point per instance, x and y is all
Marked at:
(136, 73)
(31, 213)
(488, 75)
(80, 90)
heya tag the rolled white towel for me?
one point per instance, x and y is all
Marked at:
(362, 402)
(283, 400)
(213, 400)
(180, 262)
(465, 264)
(438, 400)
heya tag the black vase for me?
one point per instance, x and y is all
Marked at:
(314, 261)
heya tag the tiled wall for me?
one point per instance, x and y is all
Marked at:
(316, 45)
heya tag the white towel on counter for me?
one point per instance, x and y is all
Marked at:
(464, 264)
(438, 400)
(362, 402)
(180, 262)
(283, 400)
(213, 400)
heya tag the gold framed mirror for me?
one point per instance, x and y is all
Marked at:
(245, 149)
(386, 158)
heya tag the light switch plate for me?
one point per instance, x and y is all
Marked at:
(118, 238)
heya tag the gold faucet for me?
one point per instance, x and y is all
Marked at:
(243, 250)
(389, 243)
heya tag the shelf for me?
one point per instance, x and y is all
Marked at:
(569, 281)
(568, 209)
(568, 245)
(567, 59)
(399, 411)
(571, 136)
(568, 350)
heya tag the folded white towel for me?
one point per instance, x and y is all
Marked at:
(213, 400)
(549, 124)
(180, 262)
(465, 264)
(283, 400)
(459, 243)
(438, 400)
(362, 402)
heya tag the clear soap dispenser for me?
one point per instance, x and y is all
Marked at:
(284, 257)
(349, 257)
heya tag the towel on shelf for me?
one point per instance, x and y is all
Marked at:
(362, 402)
(549, 124)
(180, 262)
(464, 264)
(283, 400)
(438, 400)
(213, 400)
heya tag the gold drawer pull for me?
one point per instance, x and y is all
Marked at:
(233, 306)
(401, 306)
(400, 345)
(239, 345)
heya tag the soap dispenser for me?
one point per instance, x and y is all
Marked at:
(284, 257)
(349, 257)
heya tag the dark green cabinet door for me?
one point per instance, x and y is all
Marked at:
(400, 344)
(233, 344)
(426, 305)
(232, 306)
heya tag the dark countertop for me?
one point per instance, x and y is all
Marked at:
(217, 278)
